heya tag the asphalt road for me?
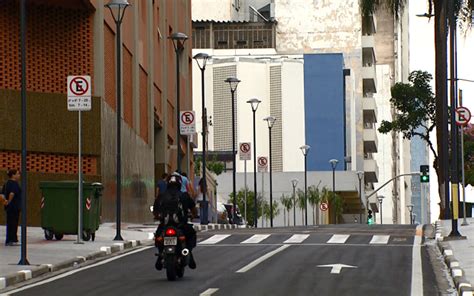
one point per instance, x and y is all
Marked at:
(380, 260)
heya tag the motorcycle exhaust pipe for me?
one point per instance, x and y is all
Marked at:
(185, 252)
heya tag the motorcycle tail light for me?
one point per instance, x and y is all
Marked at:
(170, 232)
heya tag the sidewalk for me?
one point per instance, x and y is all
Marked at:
(46, 256)
(459, 254)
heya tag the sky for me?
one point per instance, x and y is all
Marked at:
(422, 58)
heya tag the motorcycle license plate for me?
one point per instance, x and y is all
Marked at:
(171, 241)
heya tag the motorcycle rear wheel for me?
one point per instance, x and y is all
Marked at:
(170, 263)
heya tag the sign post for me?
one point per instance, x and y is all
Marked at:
(262, 162)
(245, 154)
(79, 99)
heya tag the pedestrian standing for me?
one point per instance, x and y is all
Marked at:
(12, 202)
(161, 185)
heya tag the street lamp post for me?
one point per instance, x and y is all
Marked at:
(380, 199)
(254, 104)
(233, 83)
(305, 150)
(201, 60)
(178, 39)
(410, 209)
(117, 9)
(294, 182)
(270, 121)
(360, 175)
(333, 163)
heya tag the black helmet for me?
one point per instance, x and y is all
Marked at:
(175, 179)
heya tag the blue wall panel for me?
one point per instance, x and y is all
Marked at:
(324, 121)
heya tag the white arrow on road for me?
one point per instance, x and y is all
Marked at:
(336, 268)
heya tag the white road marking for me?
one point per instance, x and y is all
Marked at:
(380, 239)
(261, 259)
(209, 292)
(338, 239)
(63, 275)
(416, 272)
(296, 239)
(214, 239)
(336, 268)
(255, 239)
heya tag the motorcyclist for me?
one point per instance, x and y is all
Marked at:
(178, 216)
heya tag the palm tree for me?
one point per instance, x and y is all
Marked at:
(266, 211)
(464, 11)
(314, 198)
(287, 203)
(300, 203)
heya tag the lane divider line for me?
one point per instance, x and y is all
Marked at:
(416, 271)
(261, 259)
(209, 292)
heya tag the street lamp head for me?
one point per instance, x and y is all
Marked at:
(254, 102)
(380, 198)
(233, 83)
(201, 59)
(270, 121)
(410, 207)
(333, 163)
(294, 182)
(360, 174)
(305, 149)
(178, 39)
(117, 6)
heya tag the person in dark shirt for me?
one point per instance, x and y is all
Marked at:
(161, 185)
(12, 201)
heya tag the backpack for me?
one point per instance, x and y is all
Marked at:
(170, 203)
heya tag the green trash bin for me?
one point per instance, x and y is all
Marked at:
(59, 208)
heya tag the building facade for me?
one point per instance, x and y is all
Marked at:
(349, 62)
(77, 37)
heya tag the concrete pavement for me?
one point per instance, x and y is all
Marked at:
(458, 254)
(51, 256)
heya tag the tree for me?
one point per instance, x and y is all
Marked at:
(314, 198)
(266, 210)
(415, 105)
(335, 202)
(287, 202)
(300, 202)
(215, 166)
(464, 11)
(468, 133)
(250, 204)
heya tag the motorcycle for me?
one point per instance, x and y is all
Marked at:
(174, 255)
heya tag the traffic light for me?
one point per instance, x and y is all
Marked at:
(424, 174)
(370, 220)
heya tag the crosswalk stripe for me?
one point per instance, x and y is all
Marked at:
(255, 239)
(214, 239)
(380, 239)
(296, 239)
(338, 239)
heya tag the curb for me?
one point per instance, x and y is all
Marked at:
(463, 286)
(106, 251)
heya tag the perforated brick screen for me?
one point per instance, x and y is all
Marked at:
(59, 43)
(48, 163)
